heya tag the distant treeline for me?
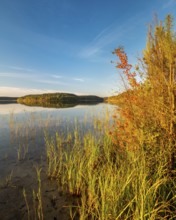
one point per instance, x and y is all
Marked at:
(65, 98)
(6, 100)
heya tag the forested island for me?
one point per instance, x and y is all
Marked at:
(60, 99)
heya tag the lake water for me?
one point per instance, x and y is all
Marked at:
(22, 148)
(20, 124)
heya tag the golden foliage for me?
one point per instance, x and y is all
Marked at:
(146, 115)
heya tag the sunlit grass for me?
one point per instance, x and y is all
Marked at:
(110, 185)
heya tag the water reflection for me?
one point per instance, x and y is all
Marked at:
(17, 118)
(6, 109)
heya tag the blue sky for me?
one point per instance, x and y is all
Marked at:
(66, 45)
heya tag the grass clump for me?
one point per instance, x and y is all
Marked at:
(110, 185)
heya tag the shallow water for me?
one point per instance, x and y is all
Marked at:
(24, 127)
(17, 118)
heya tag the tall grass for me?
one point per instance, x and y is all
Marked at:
(110, 185)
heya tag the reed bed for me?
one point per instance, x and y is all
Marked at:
(110, 184)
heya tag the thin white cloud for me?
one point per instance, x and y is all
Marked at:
(15, 75)
(60, 77)
(57, 76)
(110, 34)
(103, 32)
(21, 68)
(103, 39)
(79, 79)
(17, 68)
(90, 51)
(16, 91)
(27, 76)
(50, 82)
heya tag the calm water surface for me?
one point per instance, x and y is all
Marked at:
(26, 122)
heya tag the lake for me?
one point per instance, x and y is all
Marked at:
(23, 130)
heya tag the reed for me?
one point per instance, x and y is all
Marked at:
(22, 152)
(27, 205)
(7, 182)
(36, 211)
